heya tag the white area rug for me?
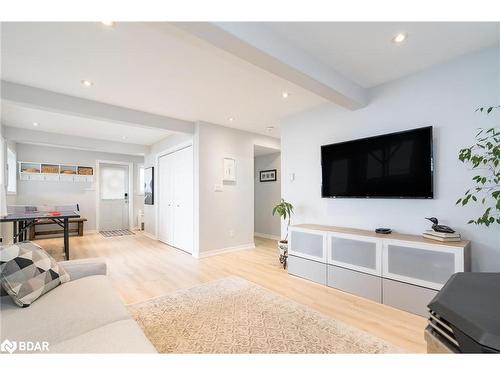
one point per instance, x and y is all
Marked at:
(233, 315)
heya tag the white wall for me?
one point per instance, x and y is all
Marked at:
(46, 192)
(226, 218)
(444, 96)
(267, 195)
(222, 219)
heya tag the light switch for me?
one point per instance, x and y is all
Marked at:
(292, 176)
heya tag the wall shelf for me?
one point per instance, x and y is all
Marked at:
(40, 171)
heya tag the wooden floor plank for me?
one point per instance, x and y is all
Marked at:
(141, 268)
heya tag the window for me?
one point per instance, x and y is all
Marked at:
(11, 171)
(113, 182)
(141, 180)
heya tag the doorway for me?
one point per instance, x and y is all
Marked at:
(176, 199)
(267, 191)
(114, 198)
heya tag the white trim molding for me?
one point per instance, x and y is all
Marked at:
(149, 235)
(209, 253)
(268, 236)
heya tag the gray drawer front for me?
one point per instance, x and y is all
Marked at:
(407, 297)
(361, 284)
(307, 269)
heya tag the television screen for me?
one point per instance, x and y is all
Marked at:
(397, 165)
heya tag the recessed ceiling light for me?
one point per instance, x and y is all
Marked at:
(87, 83)
(36, 124)
(231, 119)
(285, 94)
(123, 137)
(400, 38)
(270, 128)
(108, 23)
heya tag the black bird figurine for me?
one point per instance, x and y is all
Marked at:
(439, 228)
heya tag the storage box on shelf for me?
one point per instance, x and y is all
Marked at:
(32, 171)
(403, 271)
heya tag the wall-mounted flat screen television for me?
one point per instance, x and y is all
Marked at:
(396, 165)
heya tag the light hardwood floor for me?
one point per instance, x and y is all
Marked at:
(141, 268)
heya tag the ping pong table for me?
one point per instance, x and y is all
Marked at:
(23, 217)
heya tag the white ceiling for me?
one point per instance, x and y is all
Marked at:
(364, 52)
(158, 68)
(21, 117)
(151, 67)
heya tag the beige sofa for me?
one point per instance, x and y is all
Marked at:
(84, 315)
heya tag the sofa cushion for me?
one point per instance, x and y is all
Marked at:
(70, 310)
(27, 272)
(123, 336)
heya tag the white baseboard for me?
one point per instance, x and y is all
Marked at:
(268, 236)
(209, 253)
(149, 235)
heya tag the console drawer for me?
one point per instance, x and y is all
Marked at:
(307, 269)
(407, 297)
(361, 284)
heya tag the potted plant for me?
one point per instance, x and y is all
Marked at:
(484, 157)
(285, 210)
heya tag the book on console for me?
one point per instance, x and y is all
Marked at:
(442, 239)
(441, 234)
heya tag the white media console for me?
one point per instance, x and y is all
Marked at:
(403, 271)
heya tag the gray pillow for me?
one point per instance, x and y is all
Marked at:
(27, 272)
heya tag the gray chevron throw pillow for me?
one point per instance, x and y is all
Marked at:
(27, 272)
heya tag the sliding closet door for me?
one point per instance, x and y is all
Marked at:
(183, 198)
(175, 180)
(166, 199)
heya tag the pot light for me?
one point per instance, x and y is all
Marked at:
(231, 119)
(123, 137)
(87, 83)
(400, 38)
(285, 94)
(36, 124)
(270, 128)
(108, 23)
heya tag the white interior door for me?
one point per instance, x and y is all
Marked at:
(166, 199)
(176, 199)
(183, 199)
(114, 197)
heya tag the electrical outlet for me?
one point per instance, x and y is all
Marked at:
(231, 233)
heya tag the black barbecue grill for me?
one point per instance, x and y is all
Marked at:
(465, 314)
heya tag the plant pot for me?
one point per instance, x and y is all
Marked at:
(283, 248)
(283, 252)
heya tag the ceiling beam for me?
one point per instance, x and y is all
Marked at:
(60, 103)
(262, 47)
(35, 137)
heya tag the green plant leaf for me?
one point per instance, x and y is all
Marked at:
(484, 156)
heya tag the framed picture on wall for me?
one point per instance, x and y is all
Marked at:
(267, 175)
(229, 170)
(149, 185)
